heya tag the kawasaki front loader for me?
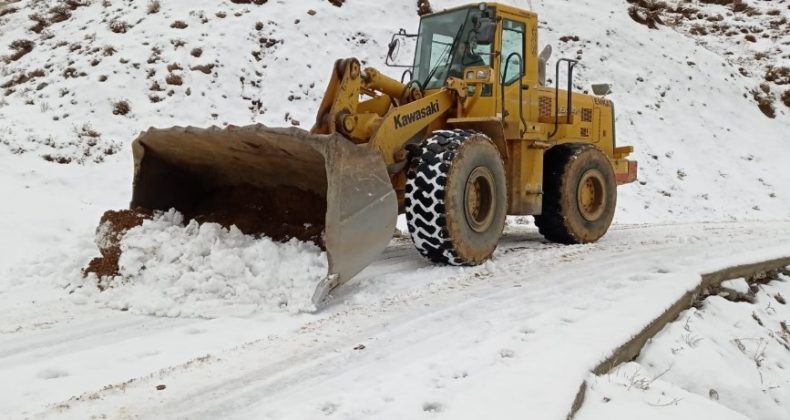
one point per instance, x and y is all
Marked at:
(474, 136)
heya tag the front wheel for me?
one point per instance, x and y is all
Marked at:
(456, 198)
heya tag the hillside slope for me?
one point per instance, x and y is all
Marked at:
(102, 71)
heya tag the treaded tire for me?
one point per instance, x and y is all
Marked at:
(565, 219)
(444, 227)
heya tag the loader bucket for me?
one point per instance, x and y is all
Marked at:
(281, 182)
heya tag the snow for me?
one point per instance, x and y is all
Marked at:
(516, 335)
(201, 270)
(738, 285)
(727, 356)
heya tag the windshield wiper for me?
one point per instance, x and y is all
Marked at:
(456, 38)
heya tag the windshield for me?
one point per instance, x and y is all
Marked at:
(446, 45)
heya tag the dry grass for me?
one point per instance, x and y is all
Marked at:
(203, 68)
(23, 78)
(8, 11)
(196, 52)
(179, 24)
(778, 75)
(786, 98)
(20, 48)
(424, 7)
(764, 101)
(119, 26)
(154, 7)
(174, 79)
(121, 108)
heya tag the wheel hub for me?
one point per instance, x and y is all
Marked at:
(479, 199)
(591, 196)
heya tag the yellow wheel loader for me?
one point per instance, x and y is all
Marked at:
(475, 135)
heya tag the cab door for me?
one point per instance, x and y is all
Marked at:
(512, 65)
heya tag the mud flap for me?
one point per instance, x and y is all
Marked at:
(281, 182)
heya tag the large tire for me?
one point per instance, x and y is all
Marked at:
(579, 194)
(456, 198)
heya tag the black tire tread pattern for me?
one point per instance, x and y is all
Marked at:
(551, 223)
(425, 193)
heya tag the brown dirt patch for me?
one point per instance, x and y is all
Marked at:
(280, 214)
(424, 7)
(112, 226)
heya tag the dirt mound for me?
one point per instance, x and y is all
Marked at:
(112, 226)
(280, 214)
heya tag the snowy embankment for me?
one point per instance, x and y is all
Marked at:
(725, 359)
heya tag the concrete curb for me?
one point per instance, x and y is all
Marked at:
(630, 350)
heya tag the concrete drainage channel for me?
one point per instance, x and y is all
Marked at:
(710, 283)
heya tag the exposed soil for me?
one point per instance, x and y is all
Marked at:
(112, 226)
(280, 214)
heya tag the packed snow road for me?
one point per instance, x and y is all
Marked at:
(405, 339)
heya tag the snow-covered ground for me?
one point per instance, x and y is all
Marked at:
(405, 340)
(517, 335)
(724, 360)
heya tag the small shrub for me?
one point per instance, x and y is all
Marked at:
(108, 51)
(8, 11)
(153, 7)
(786, 98)
(204, 68)
(59, 14)
(41, 23)
(173, 67)
(21, 47)
(179, 24)
(174, 79)
(196, 52)
(424, 7)
(119, 26)
(121, 108)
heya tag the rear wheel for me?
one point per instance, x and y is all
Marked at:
(456, 198)
(579, 194)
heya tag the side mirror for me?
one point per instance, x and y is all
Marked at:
(485, 30)
(602, 89)
(543, 60)
(404, 40)
(393, 49)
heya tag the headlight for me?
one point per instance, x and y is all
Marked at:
(470, 75)
(482, 74)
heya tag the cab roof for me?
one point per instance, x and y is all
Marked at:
(498, 6)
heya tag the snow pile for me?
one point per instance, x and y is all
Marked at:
(203, 270)
(732, 351)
